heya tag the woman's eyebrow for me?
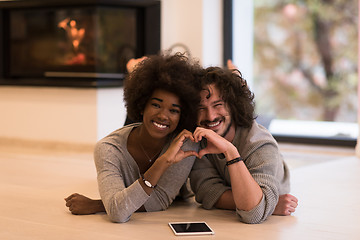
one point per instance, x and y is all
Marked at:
(160, 100)
(176, 105)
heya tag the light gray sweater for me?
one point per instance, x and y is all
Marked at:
(117, 174)
(210, 177)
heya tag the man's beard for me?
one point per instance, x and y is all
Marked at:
(227, 130)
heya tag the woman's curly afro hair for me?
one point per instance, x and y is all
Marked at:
(173, 73)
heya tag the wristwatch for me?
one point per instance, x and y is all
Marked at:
(147, 183)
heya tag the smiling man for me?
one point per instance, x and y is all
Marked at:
(241, 167)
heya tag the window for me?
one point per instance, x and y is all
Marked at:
(304, 65)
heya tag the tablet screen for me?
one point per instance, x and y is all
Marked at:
(190, 228)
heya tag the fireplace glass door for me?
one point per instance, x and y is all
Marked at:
(71, 42)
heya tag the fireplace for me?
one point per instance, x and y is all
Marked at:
(83, 43)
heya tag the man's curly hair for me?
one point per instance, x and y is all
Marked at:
(174, 73)
(234, 91)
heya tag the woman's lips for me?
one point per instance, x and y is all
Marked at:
(159, 125)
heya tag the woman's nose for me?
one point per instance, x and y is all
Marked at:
(162, 114)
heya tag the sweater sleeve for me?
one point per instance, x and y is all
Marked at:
(265, 165)
(210, 177)
(207, 183)
(171, 181)
(120, 201)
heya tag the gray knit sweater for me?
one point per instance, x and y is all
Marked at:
(210, 177)
(117, 174)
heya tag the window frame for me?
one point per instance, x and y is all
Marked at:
(231, 31)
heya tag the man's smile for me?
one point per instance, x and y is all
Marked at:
(212, 124)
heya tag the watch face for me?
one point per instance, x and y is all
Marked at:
(147, 183)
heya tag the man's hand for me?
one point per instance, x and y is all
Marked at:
(286, 205)
(230, 65)
(215, 144)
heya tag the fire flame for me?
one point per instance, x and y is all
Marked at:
(75, 35)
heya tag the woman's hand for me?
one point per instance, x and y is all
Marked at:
(174, 153)
(80, 205)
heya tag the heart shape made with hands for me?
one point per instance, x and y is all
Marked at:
(211, 142)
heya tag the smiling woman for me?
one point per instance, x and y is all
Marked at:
(162, 113)
(170, 76)
(136, 164)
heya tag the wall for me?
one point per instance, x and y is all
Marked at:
(195, 23)
(59, 115)
(82, 116)
(47, 113)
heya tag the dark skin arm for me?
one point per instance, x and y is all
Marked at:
(81, 205)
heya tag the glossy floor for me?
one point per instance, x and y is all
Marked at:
(34, 183)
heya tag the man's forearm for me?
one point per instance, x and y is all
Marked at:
(226, 201)
(245, 190)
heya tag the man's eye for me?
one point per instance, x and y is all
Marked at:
(218, 105)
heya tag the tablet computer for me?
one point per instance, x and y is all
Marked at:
(190, 228)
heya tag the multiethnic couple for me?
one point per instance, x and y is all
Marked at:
(189, 123)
